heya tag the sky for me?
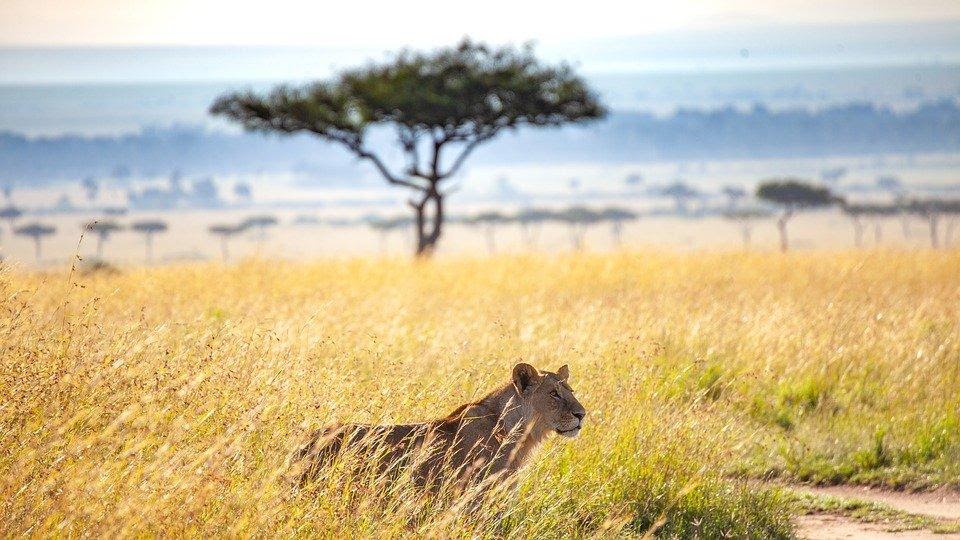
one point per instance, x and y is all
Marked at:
(417, 22)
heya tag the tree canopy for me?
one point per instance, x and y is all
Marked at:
(460, 96)
(795, 193)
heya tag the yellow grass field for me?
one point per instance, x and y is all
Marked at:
(165, 401)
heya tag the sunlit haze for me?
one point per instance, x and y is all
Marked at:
(388, 23)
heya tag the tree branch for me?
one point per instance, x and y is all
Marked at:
(378, 163)
(465, 153)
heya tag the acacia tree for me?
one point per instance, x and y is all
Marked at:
(225, 232)
(148, 228)
(36, 231)
(952, 209)
(103, 229)
(90, 188)
(10, 213)
(261, 224)
(746, 217)
(734, 195)
(933, 210)
(682, 194)
(441, 104)
(857, 212)
(384, 226)
(531, 220)
(489, 221)
(578, 218)
(793, 195)
(617, 216)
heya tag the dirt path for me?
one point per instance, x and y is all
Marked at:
(943, 506)
(935, 504)
(828, 527)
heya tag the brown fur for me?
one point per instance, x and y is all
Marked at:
(489, 438)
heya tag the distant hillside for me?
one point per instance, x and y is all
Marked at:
(728, 133)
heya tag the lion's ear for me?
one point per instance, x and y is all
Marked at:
(563, 372)
(524, 375)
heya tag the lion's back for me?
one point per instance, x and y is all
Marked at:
(383, 444)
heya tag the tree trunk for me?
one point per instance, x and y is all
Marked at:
(905, 225)
(100, 239)
(745, 232)
(782, 227)
(529, 234)
(36, 248)
(857, 233)
(148, 241)
(877, 232)
(223, 248)
(525, 234)
(490, 232)
(616, 229)
(934, 220)
(429, 228)
(576, 237)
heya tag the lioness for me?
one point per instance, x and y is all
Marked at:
(488, 439)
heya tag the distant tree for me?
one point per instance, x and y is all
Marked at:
(860, 212)
(37, 231)
(242, 191)
(746, 217)
(578, 218)
(531, 220)
(205, 192)
(115, 211)
(682, 194)
(457, 97)
(734, 195)
(64, 204)
(306, 219)
(617, 217)
(833, 175)
(121, 173)
(890, 184)
(260, 224)
(933, 210)
(175, 182)
(103, 229)
(148, 228)
(225, 232)
(952, 209)
(339, 222)
(8, 191)
(792, 195)
(11, 214)
(633, 180)
(384, 226)
(488, 222)
(90, 188)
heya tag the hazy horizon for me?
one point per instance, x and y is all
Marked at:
(718, 49)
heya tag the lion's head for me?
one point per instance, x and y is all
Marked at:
(550, 398)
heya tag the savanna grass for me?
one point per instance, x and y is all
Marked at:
(167, 401)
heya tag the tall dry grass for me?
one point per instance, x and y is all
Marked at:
(166, 401)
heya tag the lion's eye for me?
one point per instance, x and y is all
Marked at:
(555, 394)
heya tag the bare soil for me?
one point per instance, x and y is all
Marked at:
(942, 506)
